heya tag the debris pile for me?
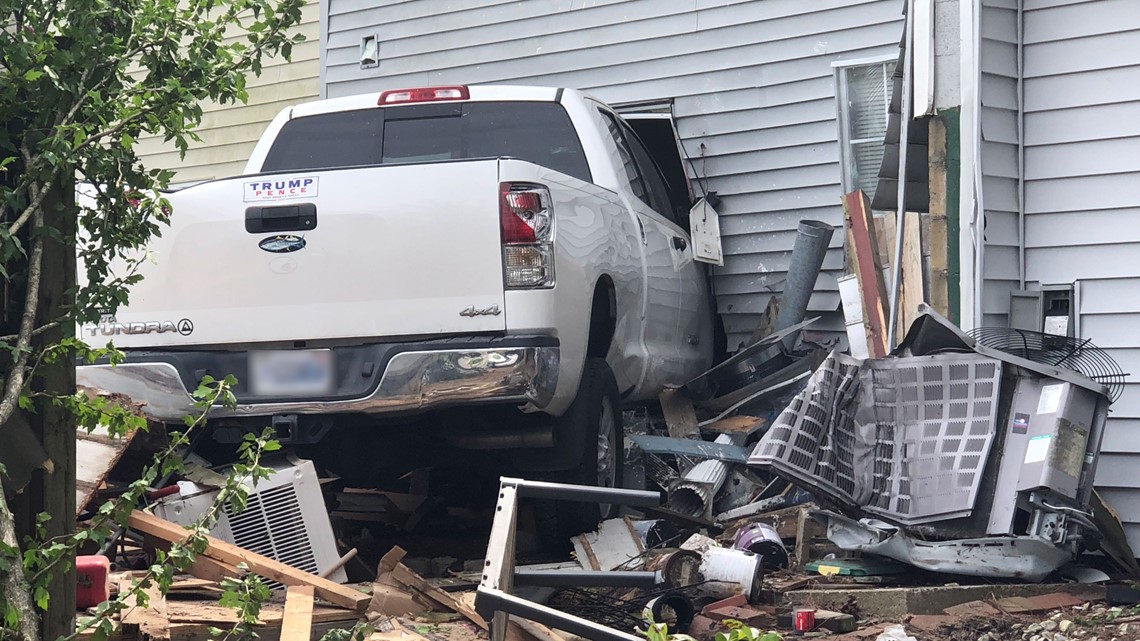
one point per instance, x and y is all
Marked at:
(939, 491)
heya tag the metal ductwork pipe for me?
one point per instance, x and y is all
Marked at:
(812, 239)
(694, 493)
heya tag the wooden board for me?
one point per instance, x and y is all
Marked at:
(210, 569)
(939, 203)
(410, 579)
(298, 618)
(210, 613)
(228, 553)
(148, 622)
(740, 424)
(191, 621)
(863, 249)
(913, 292)
(96, 454)
(680, 416)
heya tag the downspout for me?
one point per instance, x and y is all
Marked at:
(1021, 143)
(906, 108)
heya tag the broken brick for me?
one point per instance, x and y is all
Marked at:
(754, 617)
(1040, 603)
(972, 609)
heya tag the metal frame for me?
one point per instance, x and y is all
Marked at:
(494, 601)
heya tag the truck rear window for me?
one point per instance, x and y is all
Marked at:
(538, 132)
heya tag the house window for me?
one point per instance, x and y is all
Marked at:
(864, 92)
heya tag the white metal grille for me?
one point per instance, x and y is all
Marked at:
(286, 540)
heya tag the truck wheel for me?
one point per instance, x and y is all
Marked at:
(595, 415)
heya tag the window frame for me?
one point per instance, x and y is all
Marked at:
(840, 68)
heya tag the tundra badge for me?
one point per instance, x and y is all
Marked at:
(471, 312)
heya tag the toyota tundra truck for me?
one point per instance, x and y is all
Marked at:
(502, 268)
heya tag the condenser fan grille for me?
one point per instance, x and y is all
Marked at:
(1077, 354)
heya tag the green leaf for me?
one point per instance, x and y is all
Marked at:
(32, 75)
(42, 597)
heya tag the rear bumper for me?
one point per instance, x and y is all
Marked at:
(410, 377)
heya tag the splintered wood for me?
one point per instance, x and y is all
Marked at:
(862, 246)
(96, 454)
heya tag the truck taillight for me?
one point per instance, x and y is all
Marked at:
(424, 94)
(527, 225)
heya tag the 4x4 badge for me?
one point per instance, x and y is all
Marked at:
(471, 312)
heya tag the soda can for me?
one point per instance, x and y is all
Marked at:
(804, 620)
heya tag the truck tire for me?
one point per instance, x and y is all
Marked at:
(595, 418)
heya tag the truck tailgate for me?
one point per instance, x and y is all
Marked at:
(397, 250)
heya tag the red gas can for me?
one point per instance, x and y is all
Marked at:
(93, 580)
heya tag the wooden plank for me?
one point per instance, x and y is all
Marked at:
(199, 632)
(180, 611)
(192, 585)
(680, 416)
(939, 202)
(862, 246)
(147, 622)
(741, 424)
(913, 292)
(96, 454)
(298, 618)
(402, 574)
(261, 565)
(210, 569)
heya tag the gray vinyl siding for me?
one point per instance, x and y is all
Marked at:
(999, 157)
(1082, 196)
(751, 82)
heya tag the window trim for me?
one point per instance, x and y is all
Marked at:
(846, 157)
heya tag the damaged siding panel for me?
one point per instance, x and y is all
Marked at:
(1082, 203)
(751, 82)
(998, 93)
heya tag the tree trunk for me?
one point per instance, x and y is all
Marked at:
(13, 584)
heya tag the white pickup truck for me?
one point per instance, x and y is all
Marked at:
(501, 267)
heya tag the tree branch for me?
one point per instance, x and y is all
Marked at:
(35, 332)
(15, 385)
(14, 582)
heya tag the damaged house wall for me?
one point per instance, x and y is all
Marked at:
(752, 85)
(1079, 112)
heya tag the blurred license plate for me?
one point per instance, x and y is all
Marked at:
(291, 373)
